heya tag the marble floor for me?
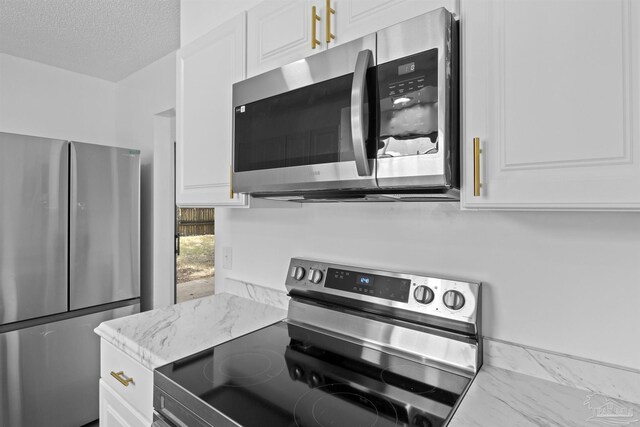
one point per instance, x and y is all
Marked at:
(195, 289)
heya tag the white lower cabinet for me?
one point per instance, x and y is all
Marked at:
(126, 389)
(116, 412)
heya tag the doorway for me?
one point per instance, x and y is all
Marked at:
(195, 252)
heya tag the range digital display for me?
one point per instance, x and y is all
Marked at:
(364, 280)
(391, 288)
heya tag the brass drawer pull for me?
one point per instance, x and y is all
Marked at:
(330, 11)
(121, 378)
(314, 38)
(476, 166)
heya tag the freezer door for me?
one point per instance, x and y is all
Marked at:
(104, 227)
(49, 373)
(33, 227)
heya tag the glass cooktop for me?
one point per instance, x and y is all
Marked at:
(285, 375)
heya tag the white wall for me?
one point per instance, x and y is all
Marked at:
(41, 100)
(164, 258)
(142, 97)
(561, 281)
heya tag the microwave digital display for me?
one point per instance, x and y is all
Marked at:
(406, 68)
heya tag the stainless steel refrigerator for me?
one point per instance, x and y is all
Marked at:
(69, 260)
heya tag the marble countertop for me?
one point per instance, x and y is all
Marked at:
(157, 337)
(500, 397)
(575, 394)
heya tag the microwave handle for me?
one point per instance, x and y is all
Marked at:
(358, 88)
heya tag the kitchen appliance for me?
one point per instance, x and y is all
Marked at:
(69, 260)
(374, 119)
(360, 347)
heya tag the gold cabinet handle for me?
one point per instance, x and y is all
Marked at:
(330, 11)
(231, 182)
(121, 378)
(314, 17)
(476, 166)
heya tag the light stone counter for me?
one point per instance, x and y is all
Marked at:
(522, 386)
(517, 386)
(503, 398)
(157, 337)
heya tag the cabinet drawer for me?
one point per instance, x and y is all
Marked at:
(139, 392)
(115, 412)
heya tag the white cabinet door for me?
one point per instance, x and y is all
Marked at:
(207, 68)
(138, 393)
(552, 89)
(115, 412)
(357, 18)
(279, 32)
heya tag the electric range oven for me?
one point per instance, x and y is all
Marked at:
(360, 347)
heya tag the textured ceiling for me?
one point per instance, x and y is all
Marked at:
(109, 39)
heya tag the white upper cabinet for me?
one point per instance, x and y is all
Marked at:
(207, 68)
(357, 18)
(281, 31)
(551, 89)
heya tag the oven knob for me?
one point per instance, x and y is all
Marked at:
(314, 380)
(297, 373)
(453, 300)
(423, 294)
(297, 272)
(420, 421)
(315, 276)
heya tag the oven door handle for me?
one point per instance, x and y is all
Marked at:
(168, 419)
(358, 93)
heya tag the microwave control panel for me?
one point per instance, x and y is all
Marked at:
(408, 103)
(409, 75)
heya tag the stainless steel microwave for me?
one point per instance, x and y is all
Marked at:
(373, 119)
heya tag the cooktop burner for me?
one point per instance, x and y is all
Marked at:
(323, 407)
(245, 369)
(406, 374)
(268, 378)
(401, 354)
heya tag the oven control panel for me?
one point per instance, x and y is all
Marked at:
(376, 285)
(407, 292)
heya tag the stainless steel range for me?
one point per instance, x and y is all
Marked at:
(360, 347)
